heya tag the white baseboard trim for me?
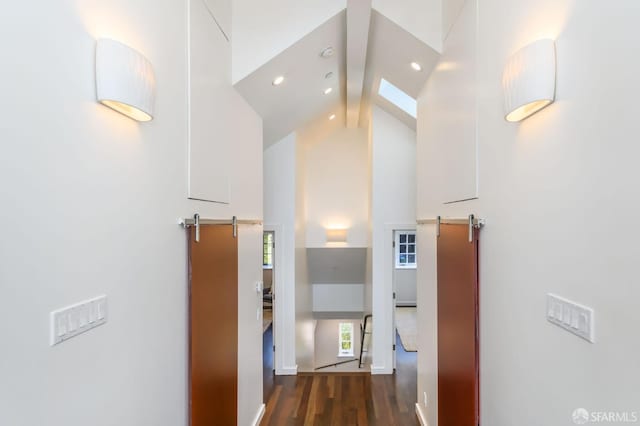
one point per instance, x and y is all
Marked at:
(287, 371)
(259, 415)
(421, 416)
(381, 370)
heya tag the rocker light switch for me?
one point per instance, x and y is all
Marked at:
(573, 317)
(76, 319)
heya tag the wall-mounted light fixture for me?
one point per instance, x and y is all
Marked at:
(124, 80)
(336, 235)
(529, 80)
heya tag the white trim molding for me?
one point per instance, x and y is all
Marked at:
(284, 324)
(421, 416)
(381, 370)
(383, 305)
(287, 371)
(258, 418)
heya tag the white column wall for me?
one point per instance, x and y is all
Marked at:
(90, 205)
(559, 193)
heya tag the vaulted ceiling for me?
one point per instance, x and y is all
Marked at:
(370, 40)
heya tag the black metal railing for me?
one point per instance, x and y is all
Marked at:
(363, 332)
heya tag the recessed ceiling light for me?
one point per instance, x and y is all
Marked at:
(416, 66)
(328, 90)
(278, 80)
(328, 75)
(332, 116)
(327, 52)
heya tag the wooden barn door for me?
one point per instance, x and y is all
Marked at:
(213, 345)
(458, 366)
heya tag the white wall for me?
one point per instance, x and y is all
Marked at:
(338, 297)
(455, 103)
(336, 187)
(368, 282)
(427, 317)
(422, 18)
(280, 215)
(305, 348)
(249, 323)
(263, 29)
(450, 13)
(547, 188)
(393, 207)
(405, 284)
(98, 197)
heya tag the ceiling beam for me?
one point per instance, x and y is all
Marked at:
(358, 20)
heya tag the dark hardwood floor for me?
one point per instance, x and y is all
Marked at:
(267, 363)
(346, 399)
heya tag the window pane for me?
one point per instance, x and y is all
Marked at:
(403, 258)
(403, 248)
(412, 258)
(412, 248)
(345, 339)
(267, 249)
(403, 238)
(412, 238)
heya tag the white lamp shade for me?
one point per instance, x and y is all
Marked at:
(336, 235)
(529, 80)
(124, 80)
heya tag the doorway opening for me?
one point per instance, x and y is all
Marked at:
(268, 293)
(404, 268)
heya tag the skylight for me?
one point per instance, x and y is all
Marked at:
(397, 97)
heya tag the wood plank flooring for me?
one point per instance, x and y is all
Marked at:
(346, 399)
(267, 363)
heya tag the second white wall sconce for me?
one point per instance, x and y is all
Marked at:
(124, 80)
(529, 80)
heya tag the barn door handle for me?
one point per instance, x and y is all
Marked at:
(196, 220)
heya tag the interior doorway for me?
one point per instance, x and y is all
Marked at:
(404, 268)
(268, 300)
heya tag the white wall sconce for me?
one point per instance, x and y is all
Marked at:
(529, 80)
(336, 235)
(124, 80)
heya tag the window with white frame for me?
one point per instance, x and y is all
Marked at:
(267, 250)
(346, 339)
(405, 244)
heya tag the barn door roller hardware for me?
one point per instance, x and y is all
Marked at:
(197, 221)
(471, 221)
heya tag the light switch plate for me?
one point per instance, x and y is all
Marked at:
(573, 317)
(76, 319)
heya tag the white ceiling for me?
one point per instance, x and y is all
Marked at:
(300, 102)
(301, 97)
(391, 51)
